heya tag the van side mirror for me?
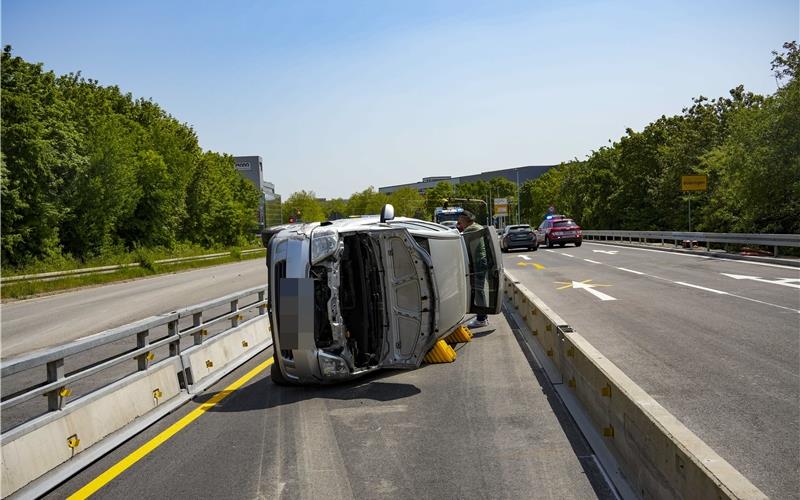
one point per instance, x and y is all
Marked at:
(387, 212)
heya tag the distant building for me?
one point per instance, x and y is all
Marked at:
(252, 169)
(516, 174)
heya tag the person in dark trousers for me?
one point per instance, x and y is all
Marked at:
(477, 249)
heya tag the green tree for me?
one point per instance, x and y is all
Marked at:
(366, 202)
(407, 202)
(304, 204)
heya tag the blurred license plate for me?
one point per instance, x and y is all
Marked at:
(568, 233)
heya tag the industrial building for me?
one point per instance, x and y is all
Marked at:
(252, 169)
(516, 175)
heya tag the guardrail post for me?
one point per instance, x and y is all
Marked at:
(55, 371)
(235, 317)
(142, 341)
(262, 308)
(175, 345)
(775, 252)
(197, 320)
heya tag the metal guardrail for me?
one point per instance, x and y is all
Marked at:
(108, 269)
(52, 358)
(111, 403)
(771, 240)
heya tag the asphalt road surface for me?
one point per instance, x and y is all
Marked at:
(715, 341)
(485, 426)
(41, 322)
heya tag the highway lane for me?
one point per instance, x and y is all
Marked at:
(40, 322)
(717, 342)
(485, 426)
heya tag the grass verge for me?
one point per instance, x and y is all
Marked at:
(27, 289)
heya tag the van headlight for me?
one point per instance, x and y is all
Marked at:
(324, 242)
(331, 366)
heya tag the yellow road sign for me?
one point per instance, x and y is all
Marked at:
(694, 183)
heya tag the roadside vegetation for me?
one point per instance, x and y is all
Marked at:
(147, 261)
(748, 145)
(92, 176)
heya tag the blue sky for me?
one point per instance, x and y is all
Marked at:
(338, 96)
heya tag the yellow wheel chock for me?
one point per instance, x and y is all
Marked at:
(461, 334)
(441, 353)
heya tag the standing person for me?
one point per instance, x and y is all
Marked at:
(477, 251)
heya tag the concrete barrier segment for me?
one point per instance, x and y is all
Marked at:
(212, 359)
(39, 446)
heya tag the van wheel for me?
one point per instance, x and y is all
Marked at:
(276, 375)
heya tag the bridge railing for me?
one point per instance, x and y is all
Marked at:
(103, 388)
(770, 240)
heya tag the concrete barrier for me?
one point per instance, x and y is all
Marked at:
(37, 447)
(206, 363)
(655, 454)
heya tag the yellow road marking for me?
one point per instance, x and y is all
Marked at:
(534, 264)
(121, 466)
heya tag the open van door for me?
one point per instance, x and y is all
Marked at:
(485, 266)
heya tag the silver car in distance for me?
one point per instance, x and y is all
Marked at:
(351, 296)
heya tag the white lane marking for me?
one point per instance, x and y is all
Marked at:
(609, 252)
(524, 257)
(551, 251)
(721, 260)
(568, 255)
(764, 303)
(779, 281)
(701, 287)
(590, 288)
(592, 261)
(629, 270)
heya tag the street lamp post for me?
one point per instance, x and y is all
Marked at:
(518, 200)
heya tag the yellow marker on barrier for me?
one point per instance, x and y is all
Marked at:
(157, 394)
(606, 391)
(571, 382)
(209, 363)
(244, 343)
(64, 392)
(440, 353)
(550, 352)
(608, 431)
(571, 352)
(150, 356)
(73, 441)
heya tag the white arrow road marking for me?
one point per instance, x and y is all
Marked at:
(524, 257)
(585, 285)
(780, 281)
(629, 270)
(609, 252)
(702, 288)
(590, 288)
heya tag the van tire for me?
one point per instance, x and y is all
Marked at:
(276, 375)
